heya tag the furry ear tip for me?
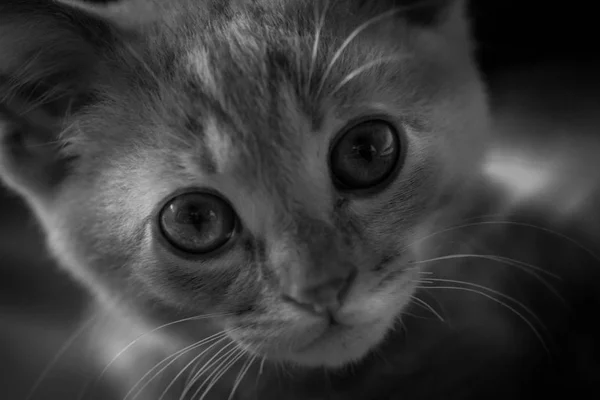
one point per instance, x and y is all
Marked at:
(125, 14)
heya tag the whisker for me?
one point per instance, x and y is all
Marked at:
(68, 343)
(507, 306)
(316, 43)
(241, 375)
(260, 371)
(403, 328)
(189, 381)
(505, 260)
(207, 365)
(547, 230)
(503, 222)
(133, 342)
(371, 64)
(174, 357)
(194, 360)
(224, 370)
(427, 306)
(262, 365)
(365, 25)
(217, 364)
(349, 40)
(495, 292)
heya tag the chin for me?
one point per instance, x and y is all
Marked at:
(340, 346)
(329, 346)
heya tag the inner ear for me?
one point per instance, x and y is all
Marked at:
(31, 158)
(51, 56)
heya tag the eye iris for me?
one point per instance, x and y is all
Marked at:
(197, 222)
(365, 155)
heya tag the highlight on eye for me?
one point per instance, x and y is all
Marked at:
(197, 222)
(366, 155)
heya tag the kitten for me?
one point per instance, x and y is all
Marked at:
(212, 158)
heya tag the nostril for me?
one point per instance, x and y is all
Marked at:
(312, 307)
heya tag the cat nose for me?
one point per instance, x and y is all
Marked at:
(320, 297)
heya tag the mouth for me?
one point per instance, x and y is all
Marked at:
(335, 340)
(328, 343)
(339, 345)
(331, 330)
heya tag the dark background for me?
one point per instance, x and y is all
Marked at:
(40, 306)
(513, 33)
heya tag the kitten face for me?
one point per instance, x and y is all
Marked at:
(246, 167)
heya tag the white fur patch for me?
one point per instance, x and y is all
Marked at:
(219, 144)
(199, 67)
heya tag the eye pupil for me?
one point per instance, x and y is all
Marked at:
(366, 151)
(365, 155)
(198, 222)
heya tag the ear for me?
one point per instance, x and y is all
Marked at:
(424, 13)
(128, 14)
(51, 54)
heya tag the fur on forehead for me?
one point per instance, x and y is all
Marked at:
(259, 60)
(250, 70)
(135, 13)
(256, 74)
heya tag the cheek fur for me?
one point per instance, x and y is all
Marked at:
(229, 286)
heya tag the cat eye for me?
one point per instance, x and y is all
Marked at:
(366, 155)
(198, 223)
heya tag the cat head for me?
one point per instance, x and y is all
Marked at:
(270, 162)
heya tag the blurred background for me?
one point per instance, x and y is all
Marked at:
(541, 57)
